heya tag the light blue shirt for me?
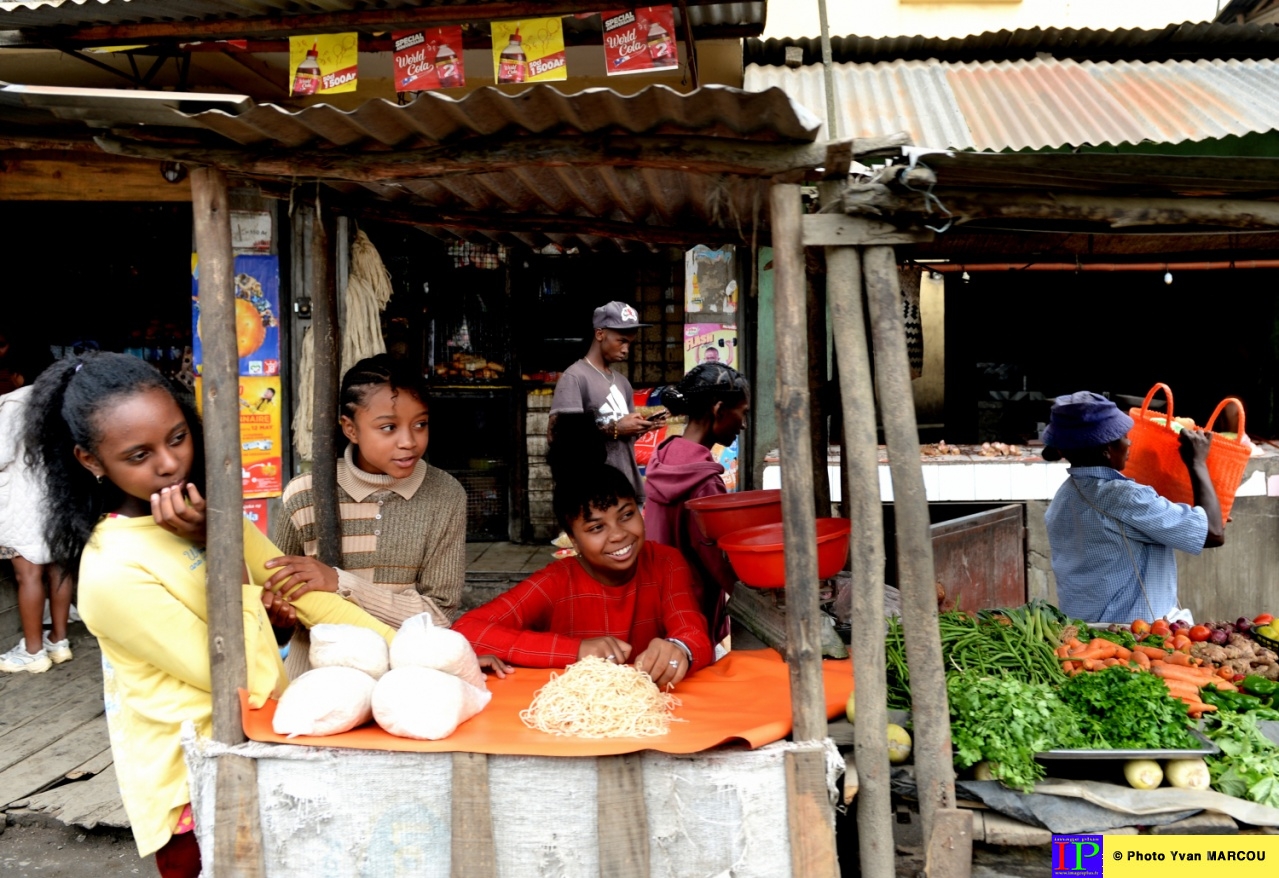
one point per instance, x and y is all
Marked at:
(1096, 580)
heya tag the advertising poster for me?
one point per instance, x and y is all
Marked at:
(261, 435)
(255, 511)
(710, 286)
(323, 64)
(257, 309)
(710, 343)
(428, 59)
(639, 40)
(529, 50)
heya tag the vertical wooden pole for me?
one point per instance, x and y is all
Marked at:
(473, 852)
(322, 256)
(622, 817)
(811, 819)
(861, 499)
(934, 772)
(236, 831)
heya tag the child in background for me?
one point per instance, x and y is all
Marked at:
(621, 598)
(402, 521)
(121, 451)
(22, 540)
(716, 399)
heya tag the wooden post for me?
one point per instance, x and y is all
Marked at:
(622, 816)
(812, 825)
(237, 834)
(861, 500)
(322, 258)
(934, 772)
(473, 852)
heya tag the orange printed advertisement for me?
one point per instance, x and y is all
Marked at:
(529, 50)
(323, 64)
(261, 435)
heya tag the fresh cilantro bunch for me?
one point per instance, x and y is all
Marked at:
(1120, 709)
(1248, 767)
(1006, 721)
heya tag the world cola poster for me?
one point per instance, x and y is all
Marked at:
(428, 59)
(639, 40)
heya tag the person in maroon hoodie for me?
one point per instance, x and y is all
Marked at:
(716, 399)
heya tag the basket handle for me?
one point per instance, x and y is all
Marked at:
(1221, 406)
(1145, 404)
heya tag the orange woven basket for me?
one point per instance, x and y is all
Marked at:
(1155, 456)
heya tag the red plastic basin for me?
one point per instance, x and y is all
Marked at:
(722, 514)
(758, 558)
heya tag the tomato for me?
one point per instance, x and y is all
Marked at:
(1263, 619)
(1160, 628)
(1140, 627)
(1200, 633)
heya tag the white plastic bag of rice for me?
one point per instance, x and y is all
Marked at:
(420, 643)
(424, 703)
(349, 646)
(325, 701)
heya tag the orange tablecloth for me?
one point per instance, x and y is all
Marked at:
(744, 697)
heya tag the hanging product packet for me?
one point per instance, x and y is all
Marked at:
(639, 40)
(428, 59)
(529, 50)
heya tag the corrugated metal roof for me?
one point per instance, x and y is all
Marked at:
(90, 13)
(1190, 40)
(569, 206)
(1040, 104)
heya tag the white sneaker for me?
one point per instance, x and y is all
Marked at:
(59, 651)
(18, 659)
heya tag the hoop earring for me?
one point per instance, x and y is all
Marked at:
(99, 480)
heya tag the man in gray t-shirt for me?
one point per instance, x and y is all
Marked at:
(590, 385)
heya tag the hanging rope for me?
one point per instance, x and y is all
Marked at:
(305, 409)
(367, 292)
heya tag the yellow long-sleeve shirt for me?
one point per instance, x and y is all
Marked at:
(142, 594)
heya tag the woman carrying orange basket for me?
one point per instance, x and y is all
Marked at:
(1112, 539)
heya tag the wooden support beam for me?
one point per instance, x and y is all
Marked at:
(483, 155)
(237, 833)
(809, 811)
(322, 264)
(622, 817)
(838, 230)
(1116, 212)
(401, 18)
(473, 852)
(934, 773)
(866, 555)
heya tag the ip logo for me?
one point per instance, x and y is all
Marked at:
(1077, 856)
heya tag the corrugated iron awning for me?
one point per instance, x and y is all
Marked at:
(1040, 104)
(458, 165)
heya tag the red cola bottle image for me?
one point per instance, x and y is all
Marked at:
(512, 64)
(306, 81)
(446, 67)
(661, 48)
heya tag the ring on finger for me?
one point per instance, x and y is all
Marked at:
(610, 657)
(674, 663)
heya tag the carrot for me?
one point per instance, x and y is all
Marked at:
(1193, 675)
(1098, 649)
(1062, 651)
(1142, 660)
(1123, 653)
(1152, 652)
(1223, 685)
(1184, 690)
(1093, 664)
(1198, 710)
(1110, 662)
(1179, 658)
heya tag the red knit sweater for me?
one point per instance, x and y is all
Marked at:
(542, 622)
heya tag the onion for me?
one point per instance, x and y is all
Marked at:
(1188, 774)
(1219, 637)
(1243, 625)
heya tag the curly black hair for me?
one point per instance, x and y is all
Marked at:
(704, 385)
(582, 479)
(66, 409)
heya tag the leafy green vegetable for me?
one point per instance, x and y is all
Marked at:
(1006, 721)
(1120, 709)
(1248, 767)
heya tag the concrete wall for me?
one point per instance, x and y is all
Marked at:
(953, 18)
(1220, 584)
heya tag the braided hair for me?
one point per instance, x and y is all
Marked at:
(705, 384)
(67, 408)
(366, 376)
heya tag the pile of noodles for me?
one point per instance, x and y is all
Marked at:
(595, 698)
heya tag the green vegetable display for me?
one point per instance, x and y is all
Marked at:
(1006, 721)
(1248, 767)
(1259, 686)
(1120, 709)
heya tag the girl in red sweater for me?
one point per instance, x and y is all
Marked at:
(621, 598)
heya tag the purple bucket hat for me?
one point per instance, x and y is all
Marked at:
(1084, 420)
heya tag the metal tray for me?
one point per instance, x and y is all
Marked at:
(1208, 749)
